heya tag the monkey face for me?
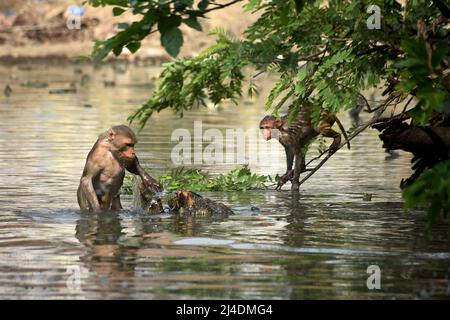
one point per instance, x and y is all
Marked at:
(266, 132)
(128, 151)
(266, 125)
(124, 150)
(122, 146)
(185, 198)
(181, 199)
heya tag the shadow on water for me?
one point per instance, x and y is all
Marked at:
(314, 245)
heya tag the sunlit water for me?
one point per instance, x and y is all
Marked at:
(314, 246)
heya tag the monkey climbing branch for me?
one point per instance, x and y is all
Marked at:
(357, 131)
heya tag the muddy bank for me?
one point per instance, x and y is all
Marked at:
(37, 31)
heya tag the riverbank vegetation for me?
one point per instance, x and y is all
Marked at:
(197, 180)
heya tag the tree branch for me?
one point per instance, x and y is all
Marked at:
(314, 55)
(221, 6)
(373, 49)
(357, 131)
(443, 8)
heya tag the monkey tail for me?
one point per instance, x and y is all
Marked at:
(341, 127)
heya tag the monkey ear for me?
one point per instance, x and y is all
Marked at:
(278, 123)
(111, 134)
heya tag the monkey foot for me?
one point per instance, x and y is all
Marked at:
(285, 178)
(334, 146)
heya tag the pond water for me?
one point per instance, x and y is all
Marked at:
(316, 245)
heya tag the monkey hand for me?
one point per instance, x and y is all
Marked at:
(151, 183)
(334, 146)
(288, 176)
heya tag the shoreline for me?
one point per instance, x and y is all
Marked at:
(63, 59)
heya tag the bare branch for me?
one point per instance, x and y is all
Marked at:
(367, 102)
(221, 6)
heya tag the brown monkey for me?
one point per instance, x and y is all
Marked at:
(105, 169)
(296, 139)
(187, 203)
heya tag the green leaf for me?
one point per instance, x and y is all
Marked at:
(203, 4)
(117, 50)
(193, 23)
(439, 54)
(431, 189)
(122, 25)
(118, 11)
(301, 75)
(172, 40)
(252, 5)
(238, 179)
(299, 4)
(133, 46)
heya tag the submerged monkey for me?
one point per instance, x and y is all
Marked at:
(183, 202)
(298, 136)
(105, 169)
(189, 203)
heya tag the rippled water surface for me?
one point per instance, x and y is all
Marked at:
(317, 245)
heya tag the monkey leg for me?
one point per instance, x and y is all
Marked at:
(105, 202)
(116, 204)
(298, 168)
(326, 131)
(82, 201)
(285, 178)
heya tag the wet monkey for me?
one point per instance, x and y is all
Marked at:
(296, 138)
(105, 169)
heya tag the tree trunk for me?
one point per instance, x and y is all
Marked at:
(429, 144)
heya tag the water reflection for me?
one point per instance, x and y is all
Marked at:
(100, 235)
(317, 244)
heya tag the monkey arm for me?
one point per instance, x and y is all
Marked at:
(136, 168)
(341, 127)
(87, 196)
(326, 131)
(289, 172)
(289, 159)
(298, 168)
(88, 192)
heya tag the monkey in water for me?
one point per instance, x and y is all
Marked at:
(105, 169)
(297, 137)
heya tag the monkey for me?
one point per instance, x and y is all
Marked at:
(297, 137)
(105, 169)
(187, 203)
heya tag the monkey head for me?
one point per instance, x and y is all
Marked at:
(267, 124)
(181, 199)
(121, 144)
